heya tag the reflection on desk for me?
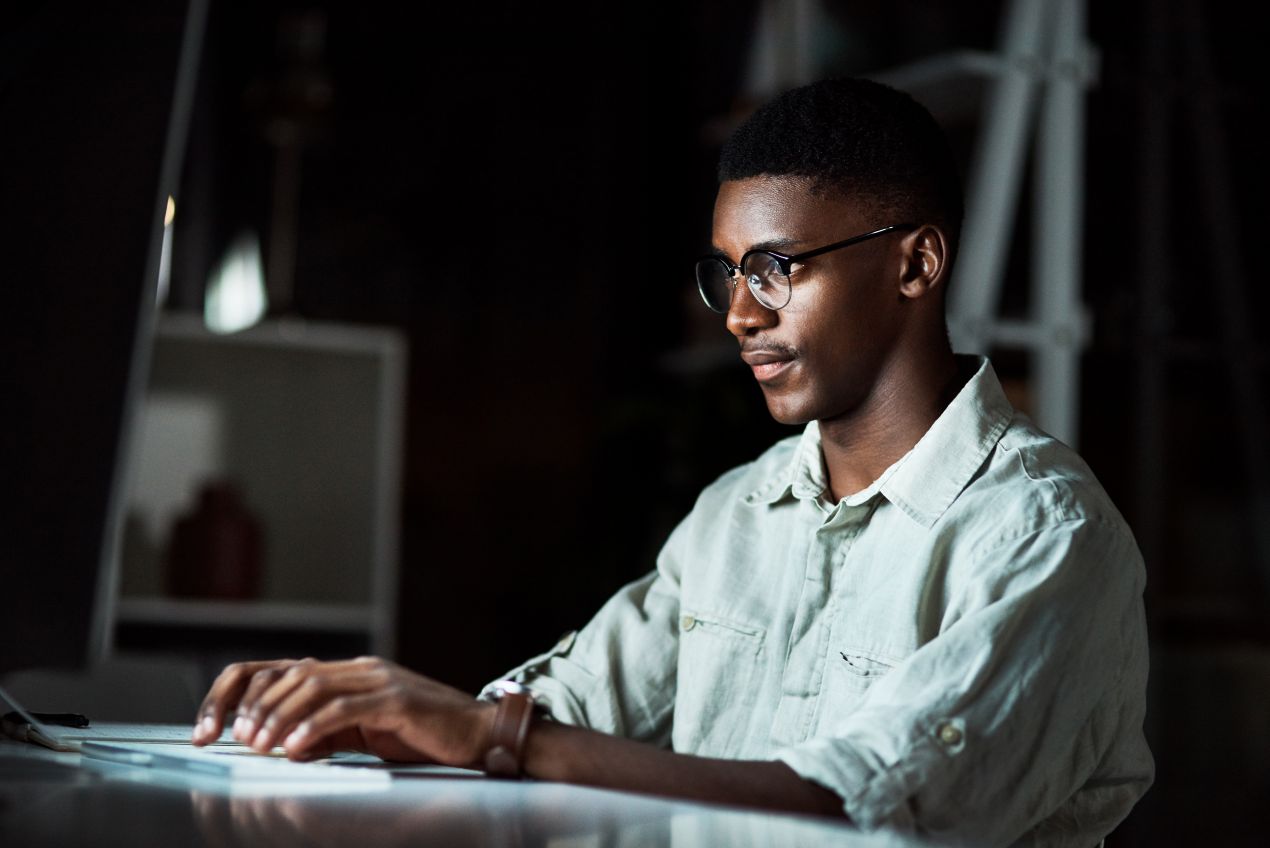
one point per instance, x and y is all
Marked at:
(48, 799)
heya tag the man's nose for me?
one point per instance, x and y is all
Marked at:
(746, 316)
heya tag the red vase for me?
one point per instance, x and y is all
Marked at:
(215, 551)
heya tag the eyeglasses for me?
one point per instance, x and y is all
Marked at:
(766, 272)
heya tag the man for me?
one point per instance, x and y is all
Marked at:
(921, 613)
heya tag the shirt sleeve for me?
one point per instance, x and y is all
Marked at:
(1000, 719)
(617, 674)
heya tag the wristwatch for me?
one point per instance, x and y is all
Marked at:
(505, 756)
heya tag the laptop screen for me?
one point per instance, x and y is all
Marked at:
(93, 108)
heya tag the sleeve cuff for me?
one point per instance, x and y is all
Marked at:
(564, 683)
(875, 787)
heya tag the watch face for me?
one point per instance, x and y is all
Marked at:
(511, 687)
(541, 702)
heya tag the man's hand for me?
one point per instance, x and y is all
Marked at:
(367, 704)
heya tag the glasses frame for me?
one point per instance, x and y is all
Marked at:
(784, 262)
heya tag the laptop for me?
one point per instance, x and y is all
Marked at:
(68, 732)
(166, 749)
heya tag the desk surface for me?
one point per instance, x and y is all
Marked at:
(49, 799)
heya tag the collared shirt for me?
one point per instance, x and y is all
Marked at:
(958, 650)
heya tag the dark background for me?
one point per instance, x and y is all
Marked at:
(521, 189)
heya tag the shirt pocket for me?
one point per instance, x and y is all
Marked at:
(716, 686)
(850, 674)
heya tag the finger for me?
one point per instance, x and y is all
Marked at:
(223, 696)
(229, 685)
(248, 708)
(271, 686)
(301, 696)
(320, 749)
(339, 714)
(267, 688)
(260, 701)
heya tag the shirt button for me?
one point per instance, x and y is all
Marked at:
(949, 734)
(687, 623)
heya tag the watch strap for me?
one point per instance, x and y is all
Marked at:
(506, 753)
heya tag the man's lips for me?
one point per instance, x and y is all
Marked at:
(767, 365)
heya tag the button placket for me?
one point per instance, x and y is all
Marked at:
(809, 639)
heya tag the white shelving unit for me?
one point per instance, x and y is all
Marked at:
(247, 615)
(1033, 97)
(306, 420)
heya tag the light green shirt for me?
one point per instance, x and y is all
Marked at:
(958, 650)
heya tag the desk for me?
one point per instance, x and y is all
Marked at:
(49, 799)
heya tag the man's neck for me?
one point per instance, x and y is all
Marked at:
(858, 447)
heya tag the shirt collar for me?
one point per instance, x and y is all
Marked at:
(926, 480)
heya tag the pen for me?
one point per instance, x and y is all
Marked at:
(60, 719)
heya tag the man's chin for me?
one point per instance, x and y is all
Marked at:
(790, 414)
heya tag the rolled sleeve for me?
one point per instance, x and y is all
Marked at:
(617, 674)
(1001, 719)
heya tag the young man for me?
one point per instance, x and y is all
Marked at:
(921, 613)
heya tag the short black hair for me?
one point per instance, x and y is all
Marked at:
(873, 143)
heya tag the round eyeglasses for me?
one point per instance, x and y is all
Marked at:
(766, 272)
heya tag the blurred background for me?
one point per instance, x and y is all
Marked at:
(431, 378)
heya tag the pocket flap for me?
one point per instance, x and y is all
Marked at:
(865, 663)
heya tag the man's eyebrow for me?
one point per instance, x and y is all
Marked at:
(780, 245)
(777, 244)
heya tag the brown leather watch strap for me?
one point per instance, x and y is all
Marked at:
(506, 753)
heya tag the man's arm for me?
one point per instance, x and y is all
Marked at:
(576, 755)
(1025, 711)
(312, 708)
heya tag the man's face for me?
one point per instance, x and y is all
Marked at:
(825, 354)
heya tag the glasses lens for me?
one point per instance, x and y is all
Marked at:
(764, 277)
(714, 281)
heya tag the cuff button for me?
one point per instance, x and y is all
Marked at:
(950, 734)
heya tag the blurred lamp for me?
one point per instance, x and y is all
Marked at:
(235, 297)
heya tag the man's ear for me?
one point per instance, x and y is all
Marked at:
(925, 262)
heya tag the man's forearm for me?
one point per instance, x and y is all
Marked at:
(574, 755)
(311, 707)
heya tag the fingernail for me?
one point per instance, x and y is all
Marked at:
(260, 739)
(296, 737)
(207, 727)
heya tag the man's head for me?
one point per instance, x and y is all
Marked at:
(816, 166)
(867, 142)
